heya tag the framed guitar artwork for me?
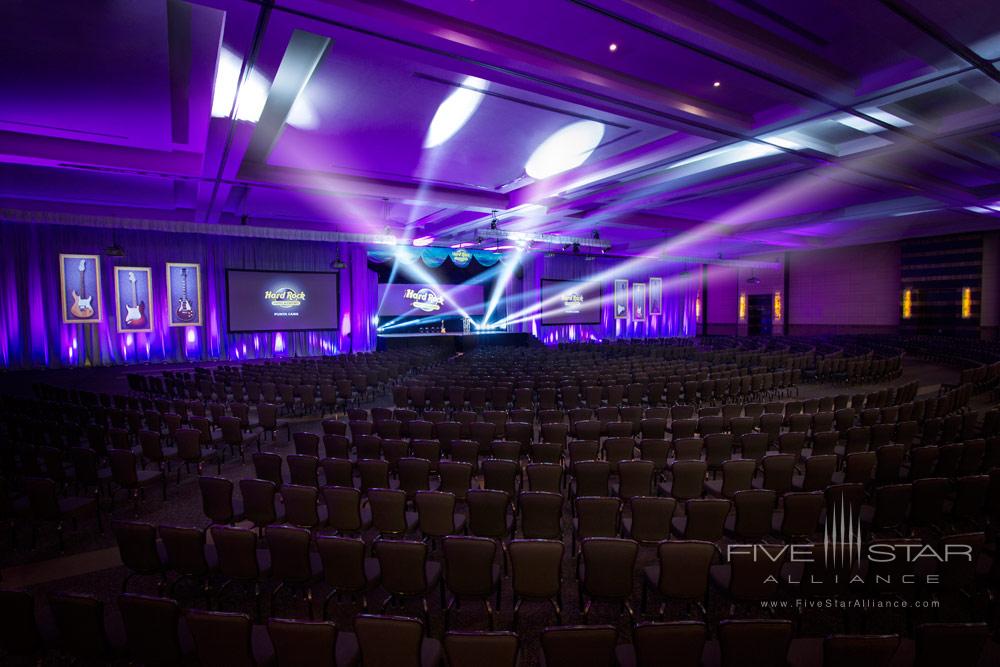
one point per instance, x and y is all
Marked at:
(80, 289)
(184, 295)
(133, 299)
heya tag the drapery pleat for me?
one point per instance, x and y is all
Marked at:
(32, 332)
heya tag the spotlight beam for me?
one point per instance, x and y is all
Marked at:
(501, 284)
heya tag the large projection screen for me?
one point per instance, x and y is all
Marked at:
(423, 300)
(282, 300)
(578, 302)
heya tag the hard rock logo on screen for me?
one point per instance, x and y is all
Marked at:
(572, 302)
(285, 297)
(424, 299)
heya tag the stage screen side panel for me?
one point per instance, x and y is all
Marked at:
(571, 302)
(422, 300)
(282, 300)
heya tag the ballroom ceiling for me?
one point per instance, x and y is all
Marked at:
(692, 127)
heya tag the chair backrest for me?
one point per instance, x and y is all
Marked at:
(688, 479)
(289, 550)
(456, 478)
(684, 566)
(541, 514)
(19, 633)
(950, 643)
(268, 465)
(651, 518)
(79, 620)
(597, 517)
(469, 568)
(388, 510)
(404, 649)
(753, 513)
(343, 562)
(801, 513)
(592, 477)
(258, 501)
(683, 641)
(537, 567)
(488, 512)
(436, 512)
(216, 498)
(185, 547)
(609, 563)
(298, 642)
(123, 467)
(137, 546)
(705, 518)
(300, 505)
(859, 650)
(403, 566)
(544, 477)
(237, 552)
(481, 649)
(151, 629)
(221, 637)
(592, 645)
(760, 643)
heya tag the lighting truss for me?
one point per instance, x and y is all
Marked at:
(551, 239)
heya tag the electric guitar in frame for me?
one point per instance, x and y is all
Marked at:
(135, 315)
(184, 312)
(82, 307)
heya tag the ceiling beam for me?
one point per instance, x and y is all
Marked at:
(304, 53)
(360, 186)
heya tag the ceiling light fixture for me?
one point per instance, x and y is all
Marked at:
(612, 47)
(493, 220)
(568, 147)
(716, 84)
(252, 94)
(455, 111)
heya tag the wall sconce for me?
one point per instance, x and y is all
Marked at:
(743, 306)
(966, 303)
(697, 309)
(907, 303)
(778, 305)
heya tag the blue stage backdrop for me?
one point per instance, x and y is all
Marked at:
(32, 333)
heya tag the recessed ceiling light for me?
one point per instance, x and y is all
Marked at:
(567, 148)
(612, 47)
(716, 84)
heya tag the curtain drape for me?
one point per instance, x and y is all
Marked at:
(32, 332)
(681, 285)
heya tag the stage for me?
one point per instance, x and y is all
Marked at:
(456, 341)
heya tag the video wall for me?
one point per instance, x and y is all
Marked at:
(281, 300)
(415, 299)
(571, 302)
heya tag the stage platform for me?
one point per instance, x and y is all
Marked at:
(456, 342)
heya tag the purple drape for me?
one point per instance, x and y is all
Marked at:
(681, 285)
(32, 333)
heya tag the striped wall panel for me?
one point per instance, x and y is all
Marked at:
(937, 270)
